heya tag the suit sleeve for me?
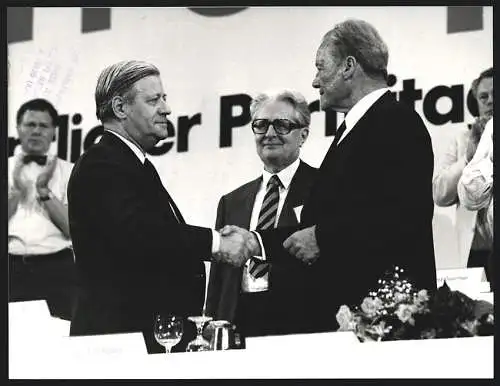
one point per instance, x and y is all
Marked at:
(134, 224)
(215, 281)
(273, 243)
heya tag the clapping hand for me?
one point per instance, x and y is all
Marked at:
(303, 245)
(237, 245)
(19, 184)
(478, 126)
(476, 131)
(43, 179)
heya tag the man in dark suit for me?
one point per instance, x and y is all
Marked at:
(372, 206)
(266, 303)
(135, 255)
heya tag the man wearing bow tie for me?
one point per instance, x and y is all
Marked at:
(40, 256)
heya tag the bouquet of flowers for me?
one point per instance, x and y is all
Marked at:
(398, 311)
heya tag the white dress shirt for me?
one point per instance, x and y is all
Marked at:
(476, 183)
(248, 283)
(31, 231)
(360, 108)
(142, 157)
(475, 186)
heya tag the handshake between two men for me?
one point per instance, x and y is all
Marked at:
(238, 245)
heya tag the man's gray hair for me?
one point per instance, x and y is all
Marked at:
(361, 40)
(294, 98)
(118, 79)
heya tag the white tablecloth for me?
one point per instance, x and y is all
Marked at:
(43, 350)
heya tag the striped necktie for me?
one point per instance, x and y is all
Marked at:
(267, 219)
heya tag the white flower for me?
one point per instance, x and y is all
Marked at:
(422, 296)
(345, 319)
(405, 313)
(370, 306)
(400, 297)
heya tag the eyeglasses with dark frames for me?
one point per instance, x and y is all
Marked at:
(281, 126)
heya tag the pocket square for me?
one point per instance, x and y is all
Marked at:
(298, 211)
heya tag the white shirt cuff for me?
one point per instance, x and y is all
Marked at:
(485, 167)
(263, 252)
(215, 241)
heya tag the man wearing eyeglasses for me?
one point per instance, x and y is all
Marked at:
(260, 298)
(41, 263)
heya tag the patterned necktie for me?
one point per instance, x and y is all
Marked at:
(338, 134)
(39, 159)
(151, 170)
(267, 219)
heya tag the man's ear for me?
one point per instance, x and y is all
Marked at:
(119, 107)
(304, 133)
(350, 66)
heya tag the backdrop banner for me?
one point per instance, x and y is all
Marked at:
(213, 63)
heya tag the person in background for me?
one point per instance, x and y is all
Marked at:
(41, 262)
(474, 248)
(475, 190)
(259, 298)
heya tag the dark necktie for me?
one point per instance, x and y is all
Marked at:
(267, 219)
(39, 159)
(151, 170)
(338, 134)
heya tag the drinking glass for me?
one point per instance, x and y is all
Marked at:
(168, 330)
(199, 343)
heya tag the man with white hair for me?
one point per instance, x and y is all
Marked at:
(371, 207)
(260, 298)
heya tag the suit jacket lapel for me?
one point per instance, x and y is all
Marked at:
(287, 216)
(248, 201)
(134, 164)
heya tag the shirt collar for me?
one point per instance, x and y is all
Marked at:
(360, 108)
(284, 175)
(137, 151)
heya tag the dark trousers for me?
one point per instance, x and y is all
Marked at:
(482, 258)
(50, 277)
(266, 313)
(254, 314)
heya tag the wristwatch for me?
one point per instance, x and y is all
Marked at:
(48, 197)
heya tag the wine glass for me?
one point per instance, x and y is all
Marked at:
(199, 343)
(168, 330)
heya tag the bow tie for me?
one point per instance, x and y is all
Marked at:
(39, 159)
